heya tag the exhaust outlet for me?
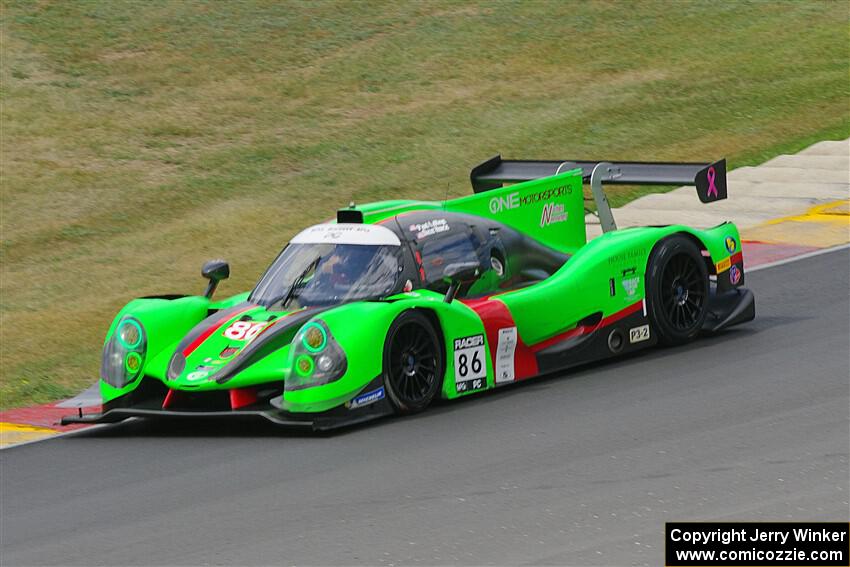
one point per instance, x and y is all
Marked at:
(616, 341)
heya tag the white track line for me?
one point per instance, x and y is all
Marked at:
(795, 258)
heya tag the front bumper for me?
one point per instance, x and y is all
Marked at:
(150, 401)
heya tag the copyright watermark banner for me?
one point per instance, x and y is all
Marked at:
(694, 544)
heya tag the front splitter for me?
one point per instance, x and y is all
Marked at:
(278, 418)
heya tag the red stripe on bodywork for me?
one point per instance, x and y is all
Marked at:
(170, 396)
(241, 397)
(737, 257)
(495, 316)
(418, 257)
(614, 317)
(580, 330)
(585, 329)
(212, 329)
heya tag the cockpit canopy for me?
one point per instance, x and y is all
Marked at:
(330, 264)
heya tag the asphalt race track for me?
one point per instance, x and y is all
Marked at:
(583, 468)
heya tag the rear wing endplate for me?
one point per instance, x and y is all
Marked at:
(708, 178)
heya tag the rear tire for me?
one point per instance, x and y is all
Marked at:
(677, 290)
(413, 362)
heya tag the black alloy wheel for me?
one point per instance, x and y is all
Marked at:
(677, 280)
(413, 362)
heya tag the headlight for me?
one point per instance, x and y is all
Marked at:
(130, 333)
(124, 353)
(317, 358)
(325, 363)
(314, 337)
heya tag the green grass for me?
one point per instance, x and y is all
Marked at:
(141, 138)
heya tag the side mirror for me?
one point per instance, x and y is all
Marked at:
(459, 274)
(215, 271)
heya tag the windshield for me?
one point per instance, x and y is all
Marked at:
(321, 274)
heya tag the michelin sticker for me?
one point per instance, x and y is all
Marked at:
(505, 355)
(470, 364)
(366, 399)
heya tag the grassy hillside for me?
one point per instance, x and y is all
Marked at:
(141, 138)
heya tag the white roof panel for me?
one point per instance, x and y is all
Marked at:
(347, 233)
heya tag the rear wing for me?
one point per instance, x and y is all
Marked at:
(708, 178)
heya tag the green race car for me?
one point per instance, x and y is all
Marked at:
(402, 302)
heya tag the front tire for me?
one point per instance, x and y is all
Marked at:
(677, 290)
(413, 362)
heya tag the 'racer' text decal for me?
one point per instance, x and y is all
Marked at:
(470, 364)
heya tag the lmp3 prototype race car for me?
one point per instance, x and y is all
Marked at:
(398, 303)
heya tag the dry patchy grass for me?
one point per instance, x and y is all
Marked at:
(140, 138)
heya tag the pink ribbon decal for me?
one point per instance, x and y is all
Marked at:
(712, 189)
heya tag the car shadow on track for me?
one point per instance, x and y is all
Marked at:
(259, 428)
